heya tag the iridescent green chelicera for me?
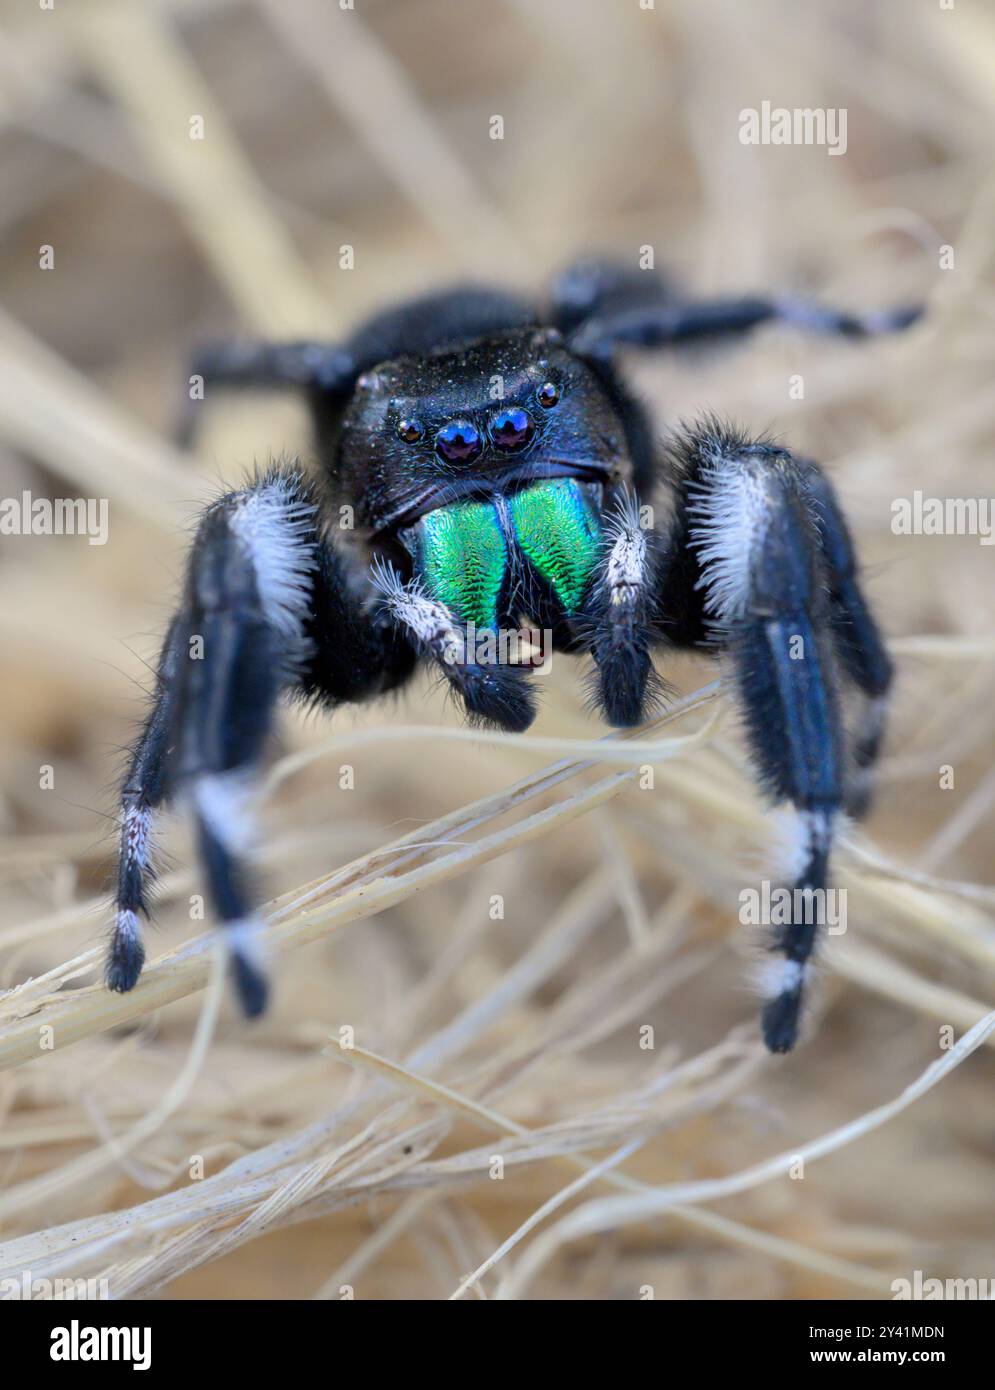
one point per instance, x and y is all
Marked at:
(557, 529)
(464, 554)
(464, 560)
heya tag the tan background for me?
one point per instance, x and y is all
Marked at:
(371, 128)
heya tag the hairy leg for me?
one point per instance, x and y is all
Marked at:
(865, 664)
(268, 607)
(602, 307)
(747, 575)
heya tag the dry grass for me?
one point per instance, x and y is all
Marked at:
(352, 1137)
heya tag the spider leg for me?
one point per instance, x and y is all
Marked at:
(326, 372)
(663, 325)
(749, 576)
(268, 607)
(596, 288)
(143, 793)
(864, 663)
(603, 307)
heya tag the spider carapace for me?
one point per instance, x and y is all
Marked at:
(483, 463)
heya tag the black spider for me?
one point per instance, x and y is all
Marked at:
(483, 461)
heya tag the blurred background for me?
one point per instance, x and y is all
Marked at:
(270, 1169)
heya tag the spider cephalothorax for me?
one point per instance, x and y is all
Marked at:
(466, 424)
(484, 464)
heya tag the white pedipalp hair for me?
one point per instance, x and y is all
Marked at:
(276, 528)
(728, 511)
(429, 621)
(624, 568)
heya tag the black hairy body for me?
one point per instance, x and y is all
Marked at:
(484, 463)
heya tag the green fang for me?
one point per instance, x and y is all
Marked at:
(558, 531)
(464, 560)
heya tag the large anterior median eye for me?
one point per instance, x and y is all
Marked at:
(458, 442)
(511, 428)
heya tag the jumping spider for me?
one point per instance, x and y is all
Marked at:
(495, 461)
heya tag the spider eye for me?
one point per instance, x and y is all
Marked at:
(512, 428)
(410, 430)
(548, 395)
(458, 442)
